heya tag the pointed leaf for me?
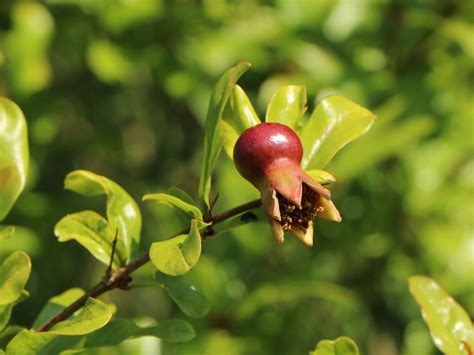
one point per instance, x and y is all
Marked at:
(175, 202)
(450, 326)
(287, 106)
(321, 176)
(178, 255)
(93, 232)
(238, 115)
(213, 129)
(118, 330)
(340, 346)
(56, 304)
(335, 122)
(181, 194)
(14, 155)
(14, 273)
(123, 213)
(187, 297)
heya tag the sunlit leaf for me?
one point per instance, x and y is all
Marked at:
(14, 155)
(287, 106)
(450, 326)
(6, 310)
(14, 273)
(175, 202)
(321, 176)
(187, 297)
(335, 122)
(213, 130)
(118, 330)
(93, 232)
(340, 346)
(56, 304)
(6, 232)
(123, 213)
(176, 256)
(181, 194)
(238, 115)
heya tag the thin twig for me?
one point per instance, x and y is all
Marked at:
(122, 274)
(108, 272)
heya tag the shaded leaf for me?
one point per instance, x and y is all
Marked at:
(175, 202)
(93, 232)
(340, 346)
(287, 106)
(238, 115)
(176, 256)
(187, 297)
(213, 129)
(14, 273)
(123, 213)
(56, 304)
(335, 122)
(118, 330)
(6, 310)
(14, 155)
(181, 194)
(450, 326)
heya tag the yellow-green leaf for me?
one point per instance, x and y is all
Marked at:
(175, 202)
(335, 122)
(287, 106)
(238, 115)
(321, 176)
(14, 155)
(340, 346)
(123, 213)
(213, 129)
(93, 232)
(450, 326)
(178, 255)
(14, 273)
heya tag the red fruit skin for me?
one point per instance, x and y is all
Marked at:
(261, 146)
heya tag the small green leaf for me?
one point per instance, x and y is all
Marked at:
(178, 255)
(175, 202)
(6, 232)
(335, 122)
(187, 297)
(14, 155)
(14, 273)
(93, 316)
(118, 330)
(340, 346)
(450, 326)
(6, 310)
(56, 304)
(287, 106)
(123, 213)
(93, 232)
(181, 194)
(213, 129)
(321, 176)
(238, 115)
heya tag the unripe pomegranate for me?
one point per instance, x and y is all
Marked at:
(269, 156)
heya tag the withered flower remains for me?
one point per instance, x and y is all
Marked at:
(269, 156)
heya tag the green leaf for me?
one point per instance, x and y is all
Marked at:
(123, 213)
(450, 326)
(238, 115)
(178, 255)
(6, 310)
(335, 122)
(14, 273)
(181, 194)
(56, 304)
(321, 176)
(187, 297)
(256, 215)
(340, 346)
(14, 155)
(118, 330)
(93, 316)
(213, 129)
(287, 106)
(6, 232)
(175, 202)
(93, 232)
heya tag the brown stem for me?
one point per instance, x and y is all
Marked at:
(121, 276)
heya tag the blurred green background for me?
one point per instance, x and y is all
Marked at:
(121, 88)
